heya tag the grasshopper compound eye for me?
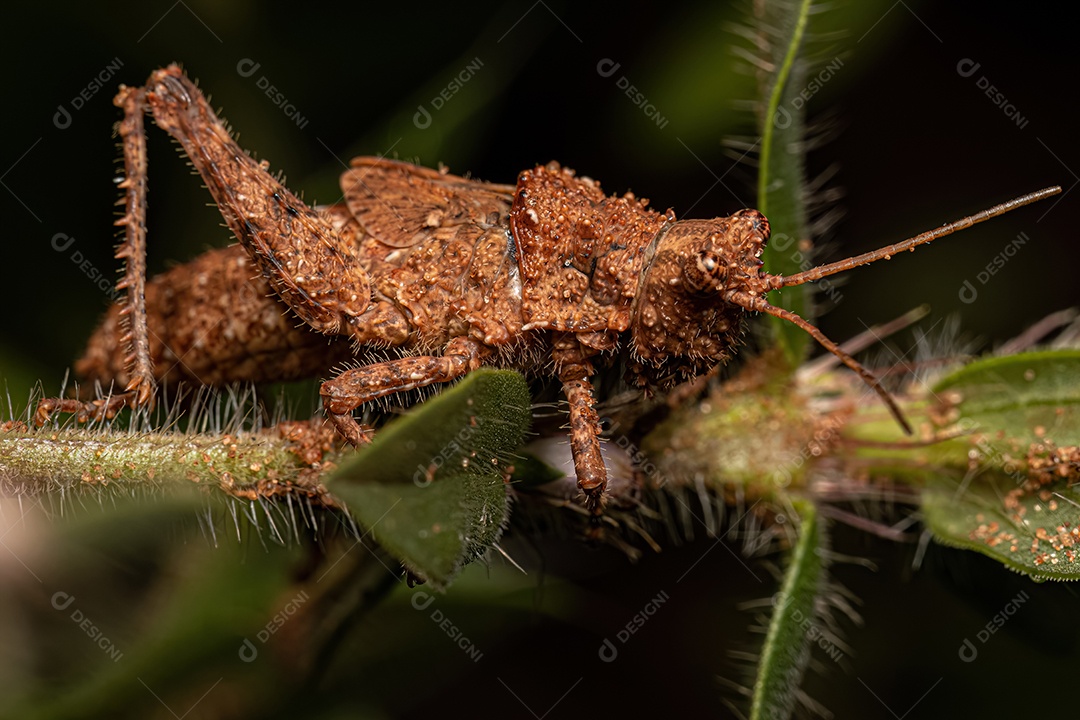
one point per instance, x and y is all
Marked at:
(705, 272)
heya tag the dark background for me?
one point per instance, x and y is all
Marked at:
(916, 145)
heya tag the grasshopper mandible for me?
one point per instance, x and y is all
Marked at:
(443, 274)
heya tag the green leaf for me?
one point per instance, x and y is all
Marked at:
(786, 652)
(1034, 531)
(1018, 501)
(1031, 397)
(781, 171)
(430, 488)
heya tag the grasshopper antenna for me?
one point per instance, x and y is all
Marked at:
(775, 282)
(752, 302)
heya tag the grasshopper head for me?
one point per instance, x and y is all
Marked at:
(702, 275)
(684, 321)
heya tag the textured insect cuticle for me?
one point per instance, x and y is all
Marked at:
(446, 273)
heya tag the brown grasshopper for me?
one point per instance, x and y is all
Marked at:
(442, 274)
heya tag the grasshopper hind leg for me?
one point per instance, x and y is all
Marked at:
(140, 388)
